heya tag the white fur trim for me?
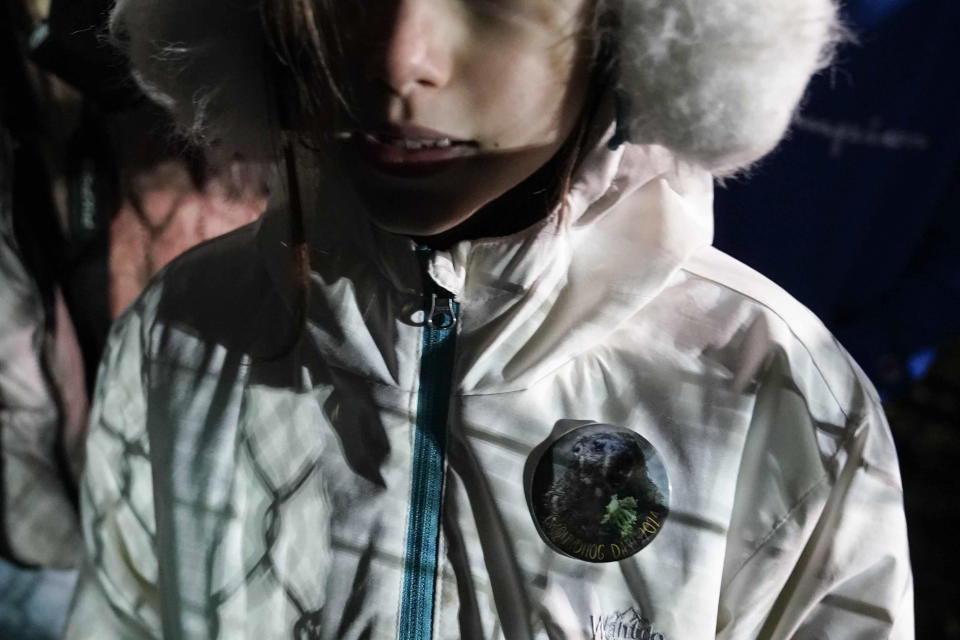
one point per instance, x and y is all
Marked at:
(716, 81)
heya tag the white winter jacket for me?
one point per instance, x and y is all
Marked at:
(400, 472)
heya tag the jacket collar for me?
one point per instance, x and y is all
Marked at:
(537, 298)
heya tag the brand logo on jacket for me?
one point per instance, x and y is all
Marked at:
(629, 624)
(598, 493)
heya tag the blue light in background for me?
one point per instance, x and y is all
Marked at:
(919, 363)
(870, 13)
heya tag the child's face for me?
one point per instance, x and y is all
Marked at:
(494, 86)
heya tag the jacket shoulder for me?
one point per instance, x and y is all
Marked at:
(216, 293)
(220, 269)
(814, 358)
(818, 474)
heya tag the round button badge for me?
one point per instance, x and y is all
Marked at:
(599, 493)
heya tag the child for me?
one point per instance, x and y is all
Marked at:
(481, 375)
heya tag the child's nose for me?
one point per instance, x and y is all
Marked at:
(417, 53)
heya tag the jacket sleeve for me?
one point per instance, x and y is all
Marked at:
(830, 559)
(117, 595)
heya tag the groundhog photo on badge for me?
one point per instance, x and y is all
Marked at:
(604, 489)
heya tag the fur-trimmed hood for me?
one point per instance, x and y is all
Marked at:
(714, 81)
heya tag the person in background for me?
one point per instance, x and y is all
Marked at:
(95, 197)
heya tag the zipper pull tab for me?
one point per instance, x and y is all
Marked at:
(442, 313)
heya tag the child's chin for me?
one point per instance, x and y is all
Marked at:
(415, 218)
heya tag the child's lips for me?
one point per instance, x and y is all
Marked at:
(414, 153)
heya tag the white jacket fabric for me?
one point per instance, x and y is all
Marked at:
(237, 489)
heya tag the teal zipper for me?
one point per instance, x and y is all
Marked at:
(429, 448)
